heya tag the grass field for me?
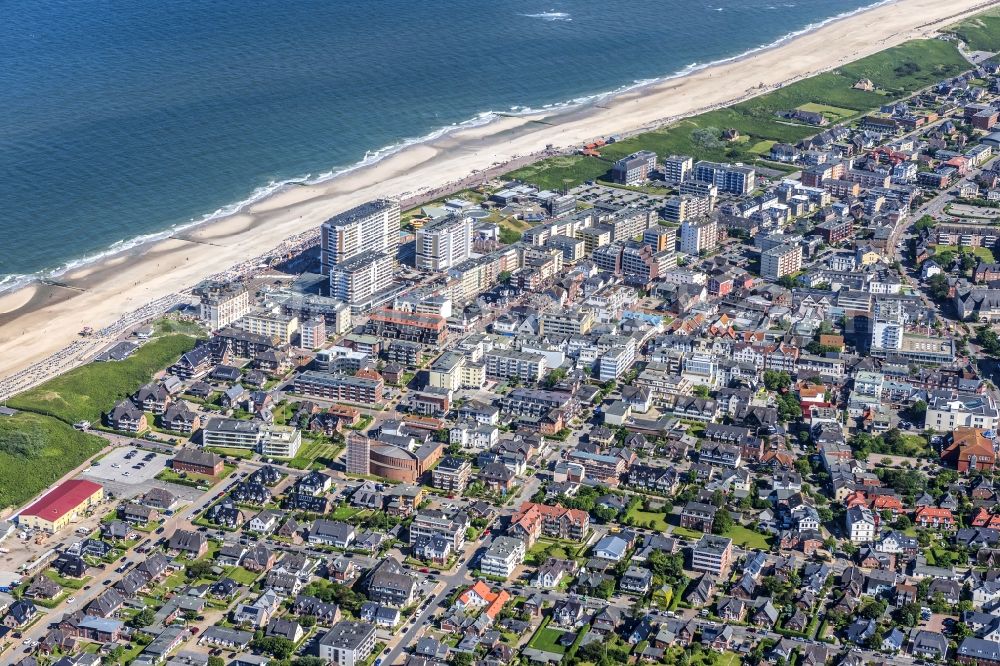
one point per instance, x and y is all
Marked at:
(980, 32)
(35, 451)
(747, 538)
(832, 113)
(762, 147)
(652, 519)
(688, 533)
(981, 252)
(547, 639)
(243, 454)
(899, 71)
(321, 451)
(85, 393)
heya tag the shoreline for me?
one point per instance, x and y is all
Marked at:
(13, 283)
(98, 293)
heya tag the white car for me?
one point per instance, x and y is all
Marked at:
(71, 600)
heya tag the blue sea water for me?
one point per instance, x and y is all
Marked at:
(120, 119)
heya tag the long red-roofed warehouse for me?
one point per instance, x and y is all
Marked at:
(60, 507)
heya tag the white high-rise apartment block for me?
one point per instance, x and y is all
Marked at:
(444, 243)
(699, 235)
(372, 226)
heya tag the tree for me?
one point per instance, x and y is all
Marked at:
(198, 569)
(987, 338)
(776, 380)
(144, 618)
(606, 588)
(723, 522)
(909, 614)
(309, 661)
(925, 222)
(787, 281)
(277, 647)
(937, 286)
(461, 659)
(216, 661)
(802, 466)
(702, 391)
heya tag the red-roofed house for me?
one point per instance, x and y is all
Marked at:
(930, 516)
(983, 518)
(969, 450)
(60, 507)
(887, 503)
(481, 596)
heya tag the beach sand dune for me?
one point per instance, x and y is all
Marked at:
(40, 320)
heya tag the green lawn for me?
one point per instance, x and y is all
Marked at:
(547, 639)
(762, 147)
(655, 520)
(980, 32)
(243, 454)
(685, 532)
(900, 70)
(85, 393)
(315, 451)
(981, 252)
(745, 537)
(192, 479)
(241, 575)
(546, 548)
(832, 113)
(35, 451)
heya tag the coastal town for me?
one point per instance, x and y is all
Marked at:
(687, 411)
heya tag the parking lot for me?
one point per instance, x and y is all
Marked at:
(118, 473)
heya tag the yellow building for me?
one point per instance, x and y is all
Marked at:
(62, 506)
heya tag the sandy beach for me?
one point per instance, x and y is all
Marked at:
(37, 321)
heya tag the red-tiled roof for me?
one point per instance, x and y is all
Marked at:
(62, 500)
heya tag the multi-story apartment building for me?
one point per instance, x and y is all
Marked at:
(232, 433)
(573, 249)
(616, 361)
(273, 325)
(452, 474)
(888, 326)
(358, 454)
(677, 168)
(511, 364)
(348, 643)
(280, 441)
(372, 226)
(686, 207)
(312, 333)
(629, 223)
(574, 322)
(266, 439)
(732, 178)
(534, 520)
(340, 388)
(427, 329)
(444, 243)
(503, 556)
(712, 554)
(362, 279)
(634, 169)
(699, 235)
(432, 522)
(221, 303)
(947, 411)
(595, 237)
(660, 238)
(781, 260)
